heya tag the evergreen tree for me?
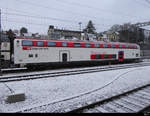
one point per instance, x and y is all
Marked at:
(90, 28)
(23, 30)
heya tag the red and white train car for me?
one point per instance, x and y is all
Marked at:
(37, 52)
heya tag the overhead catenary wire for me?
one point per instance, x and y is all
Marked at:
(56, 9)
(38, 16)
(147, 1)
(82, 15)
(73, 3)
(96, 9)
(76, 13)
(37, 24)
(140, 2)
(50, 18)
(44, 26)
(41, 17)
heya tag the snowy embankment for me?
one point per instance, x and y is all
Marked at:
(48, 90)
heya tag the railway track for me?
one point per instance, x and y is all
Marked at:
(25, 69)
(13, 70)
(133, 101)
(138, 99)
(70, 72)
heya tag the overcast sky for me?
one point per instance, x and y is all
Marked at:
(37, 15)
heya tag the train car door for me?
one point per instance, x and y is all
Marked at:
(64, 56)
(120, 56)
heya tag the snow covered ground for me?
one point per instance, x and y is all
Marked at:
(48, 90)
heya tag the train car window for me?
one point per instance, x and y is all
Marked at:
(2, 56)
(27, 43)
(40, 43)
(127, 46)
(97, 56)
(96, 45)
(120, 46)
(106, 56)
(121, 56)
(77, 45)
(51, 44)
(112, 46)
(114, 56)
(87, 45)
(105, 45)
(132, 46)
(64, 44)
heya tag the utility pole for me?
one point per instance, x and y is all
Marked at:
(0, 46)
(80, 26)
(80, 29)
(137, 34)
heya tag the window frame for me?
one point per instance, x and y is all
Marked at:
(87, 45)
(105, 46)
(96, 45)
(39, 44)
(52, 45)
(77, 45)
(28, 42)
(113, 46)
(127, 46)
(62, 44)
(120, 46)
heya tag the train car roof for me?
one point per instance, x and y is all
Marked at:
(102, 42)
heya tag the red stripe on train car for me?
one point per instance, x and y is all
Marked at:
(129, 46)
(133, 46)
(110, 56)
(123, 46)
(92, 45)
(82, 45)
(102, 56)
(101, 45)
(45, 44)
(70, 44)
(117, 46)
(109, 46)
(34, 43)
(93, 57)
(58, 44)
(26, 48)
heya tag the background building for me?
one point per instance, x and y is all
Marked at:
(56, 34)
(147, 36)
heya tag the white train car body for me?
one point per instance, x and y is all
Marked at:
(33, 51)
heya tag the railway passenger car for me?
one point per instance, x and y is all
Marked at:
(33, 52)
(5, 52)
